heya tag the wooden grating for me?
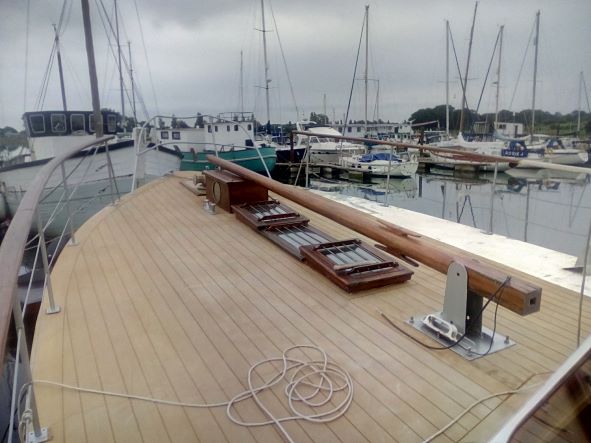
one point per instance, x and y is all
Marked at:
(354, 265)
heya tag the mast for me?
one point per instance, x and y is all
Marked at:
(96, 106)
(579, 113)
(467, 67)
(533, 102)
(378, 101)
(59, 65)
(120, 66)
(499, 75)
(267, 80)
(324, 103)
(241, 88)
(132, 84)
(447, 77)
(365, 78)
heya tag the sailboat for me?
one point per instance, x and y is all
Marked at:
(51, 132)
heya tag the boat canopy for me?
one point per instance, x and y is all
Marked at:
(378, 156)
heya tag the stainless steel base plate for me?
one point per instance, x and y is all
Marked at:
(470, 348)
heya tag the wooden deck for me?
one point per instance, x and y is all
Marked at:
(164, 300)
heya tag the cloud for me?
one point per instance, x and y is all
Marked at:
(193, 54)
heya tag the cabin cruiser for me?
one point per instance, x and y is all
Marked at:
(323, 148)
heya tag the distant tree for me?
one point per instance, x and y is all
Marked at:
(321, 119)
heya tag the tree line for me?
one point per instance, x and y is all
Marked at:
(547, 122)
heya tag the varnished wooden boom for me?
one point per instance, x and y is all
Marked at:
(519, 296)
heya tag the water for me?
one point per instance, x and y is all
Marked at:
(546, 208)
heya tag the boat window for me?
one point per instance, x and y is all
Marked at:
(111, 123)
(91, 122)
(313, 139)
(235, 127)
(37, 124)
(249, 126)
(358, 128)
(176, 135)
(216, 128)
(228, 128)
(58, 123)
(208, 128)
(349, 129)
(164, 135)
(77, 122)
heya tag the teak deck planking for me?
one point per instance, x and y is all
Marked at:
(162, 299)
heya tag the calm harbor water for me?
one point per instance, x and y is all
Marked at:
(547, 208)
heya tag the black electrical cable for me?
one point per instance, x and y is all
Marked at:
(498, 293)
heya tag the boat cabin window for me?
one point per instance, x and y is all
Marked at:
(249, 126)
(215, 128)
(164, 135)
(208, 128)
(228, 128)
(313, 139)
(58, 123)
(111, 123)
(37, 124)
(349, 129)
(77, 122)
(91, 122)
(358, 128)
(235, 127)
(176, 135)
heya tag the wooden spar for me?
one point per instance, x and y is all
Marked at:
(519, 296)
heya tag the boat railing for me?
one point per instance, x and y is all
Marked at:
(28, 218)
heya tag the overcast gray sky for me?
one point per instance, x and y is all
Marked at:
(193, 54)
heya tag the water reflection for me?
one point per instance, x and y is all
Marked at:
(546, 208)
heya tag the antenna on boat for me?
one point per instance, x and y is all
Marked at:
(96, 106)
(59, 65)
(533, 103)
(467, 67)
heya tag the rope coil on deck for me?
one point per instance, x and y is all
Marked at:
(310, 384)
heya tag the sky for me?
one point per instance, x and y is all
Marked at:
(186, 56)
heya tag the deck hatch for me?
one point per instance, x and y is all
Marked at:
(268, 213)
(354, 265)
(280, 224)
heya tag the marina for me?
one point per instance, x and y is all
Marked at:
(265, 268)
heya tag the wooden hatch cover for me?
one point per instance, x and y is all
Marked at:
(354, 265)
(282, 225)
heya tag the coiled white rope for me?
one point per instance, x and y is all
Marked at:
(309, 383)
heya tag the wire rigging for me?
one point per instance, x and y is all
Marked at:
(522, 64)
(285, 63)
(354, 75)
(492, 57)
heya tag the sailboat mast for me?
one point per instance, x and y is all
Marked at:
(365, 78)
(59, 65)
(467, 67)
(96, 106)
(580, 94)
(499, 74)
(267, 80)
(119, 58)
(533, 102)
(133, 107)
(447, 77)
(241, 89)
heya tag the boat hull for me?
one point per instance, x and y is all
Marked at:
(247, 158)
(88, 182)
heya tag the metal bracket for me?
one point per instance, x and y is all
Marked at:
(459, 324)
(43, 436)
(54, 310)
